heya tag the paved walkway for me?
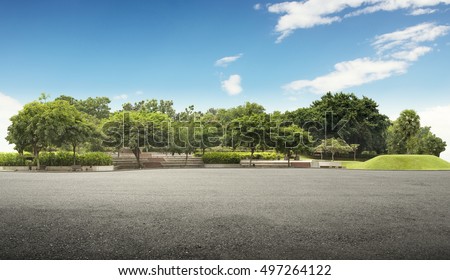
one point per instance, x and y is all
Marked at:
(225, 214)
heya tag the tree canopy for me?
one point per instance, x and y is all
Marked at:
(338, 123)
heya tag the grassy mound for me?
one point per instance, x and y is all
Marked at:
(401, 162)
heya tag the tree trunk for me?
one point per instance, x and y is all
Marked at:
(185, 162)
(137, 154)
(74, 155)
(332, 156)
(289, 158)
(354, 156)
(251, 156)
(36, 156)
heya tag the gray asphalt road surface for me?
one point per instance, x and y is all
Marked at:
(225, 214)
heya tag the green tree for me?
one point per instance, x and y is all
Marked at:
(17, 131)
(152, 106)
(409, 125)
(186, 133)
(428, 143)
(333, 146)
(136, 130)
(341, 115)
(44, 97)
(78, 130)
(97, 107)
(289, 138)
(64, 124)
(39, 125)
(211, 132)
(354, 148)
(28, 129)
(395, 141)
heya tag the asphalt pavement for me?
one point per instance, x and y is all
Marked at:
(225, 214)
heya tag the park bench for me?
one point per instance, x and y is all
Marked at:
(330, 164)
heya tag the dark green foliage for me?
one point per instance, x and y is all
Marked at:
(97, 107)
(152, 106)
(368, 154)
(66, 159)
(341, 115)
(406, 136)
(56, 159)
(221, 158)
(94, 159)
(12, 159)
(234, 157)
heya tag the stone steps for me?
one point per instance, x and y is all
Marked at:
(160, 161)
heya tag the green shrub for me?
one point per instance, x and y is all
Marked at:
(55, 159)
(12, 159)
(94, 158)
(221, 158)
(368, 154)
(66, 159)
(235, 157)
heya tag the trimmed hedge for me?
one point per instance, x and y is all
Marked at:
(12, 159)
(234, 157)
(57, 159)
(94, 159)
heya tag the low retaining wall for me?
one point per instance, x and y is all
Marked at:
(223, 166)
(59, 168)
(14, 168)
(280, 163)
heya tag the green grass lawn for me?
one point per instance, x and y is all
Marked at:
(400, 162)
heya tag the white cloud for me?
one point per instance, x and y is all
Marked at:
(8, 108)
(398, 50)
(225, 61)
(350, 73)
(307, 14)
(232, 86)
(411, 55)
(410, 37)
(437, 118)
(257, 6)
(418, 12)
(121, 97)
(392, 5)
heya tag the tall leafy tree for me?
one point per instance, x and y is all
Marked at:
(333, 146)
(136, 130)
(28, 129)
(408, 126)
(425, 142)
(97, 107)
(152, 106)
(291, 139)
(342, 115)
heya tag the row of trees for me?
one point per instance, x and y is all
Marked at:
(406, 135)
(336, 124)
(42, 125)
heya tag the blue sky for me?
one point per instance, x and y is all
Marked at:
(282, 55)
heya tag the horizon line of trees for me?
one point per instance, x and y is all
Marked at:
(339, 123)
